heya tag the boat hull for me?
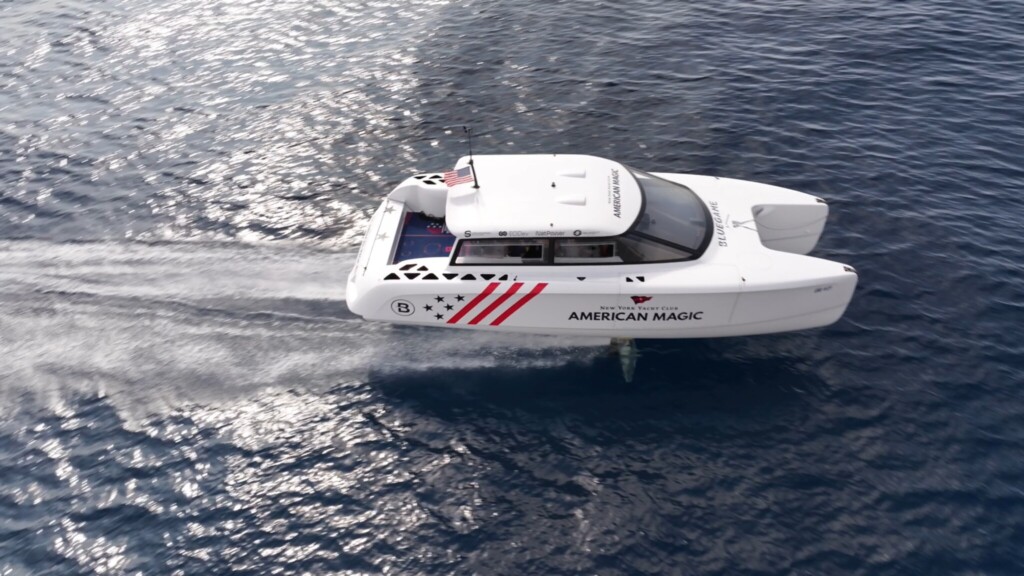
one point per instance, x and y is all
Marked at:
(609, 307)
(754, 278)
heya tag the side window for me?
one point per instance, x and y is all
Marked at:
(501, 251)
(585, 251)
(635, 249)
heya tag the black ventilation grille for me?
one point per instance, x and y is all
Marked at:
(430, 179)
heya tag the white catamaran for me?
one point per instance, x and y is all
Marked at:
(572, 244)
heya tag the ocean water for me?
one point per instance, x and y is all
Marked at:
(183, 186)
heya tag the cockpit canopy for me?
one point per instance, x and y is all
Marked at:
(672, 217)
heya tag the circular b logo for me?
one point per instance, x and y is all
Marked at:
(402, 307)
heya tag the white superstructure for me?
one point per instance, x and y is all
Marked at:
(549, 195)
(572, 244)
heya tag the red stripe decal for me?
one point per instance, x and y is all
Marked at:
(520, 303)
(501, 300)
(472, 303)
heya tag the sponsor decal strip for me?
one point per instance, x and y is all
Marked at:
(520, 303)
(472, 303)
(501, 300)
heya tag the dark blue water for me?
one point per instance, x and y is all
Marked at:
(183, 185)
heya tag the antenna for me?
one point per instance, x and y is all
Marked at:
(469, 139)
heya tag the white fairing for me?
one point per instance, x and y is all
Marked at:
(582, 195)
(423, 193)
(753, 277)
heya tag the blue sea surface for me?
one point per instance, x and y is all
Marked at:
(184, 185)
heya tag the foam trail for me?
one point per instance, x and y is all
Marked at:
(158, 325)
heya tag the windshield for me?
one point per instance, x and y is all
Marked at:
(672, 215)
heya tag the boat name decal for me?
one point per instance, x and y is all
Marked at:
(616, 191)
(719, 227)
(637, 316)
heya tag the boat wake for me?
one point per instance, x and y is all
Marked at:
(157, 326)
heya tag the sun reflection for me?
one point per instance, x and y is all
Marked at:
(250, 120)
(273, 121)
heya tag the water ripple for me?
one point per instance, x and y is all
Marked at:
(182, 185)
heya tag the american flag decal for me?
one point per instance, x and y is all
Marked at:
(501, 308)
(460, 176)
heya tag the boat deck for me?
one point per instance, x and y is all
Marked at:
(423, 237)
